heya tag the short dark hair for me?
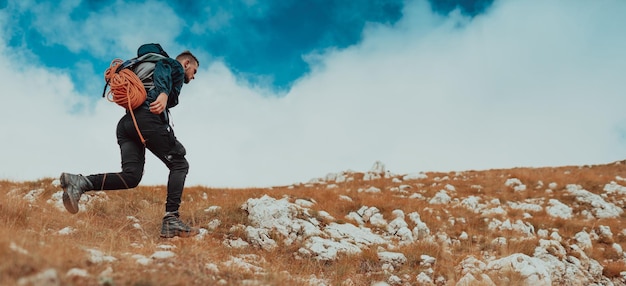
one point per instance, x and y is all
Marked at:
(187, 55)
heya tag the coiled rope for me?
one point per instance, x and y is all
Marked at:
(126, 90)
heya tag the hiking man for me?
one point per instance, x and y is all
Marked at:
(152, 119)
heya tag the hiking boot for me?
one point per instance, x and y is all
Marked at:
(173, 226)
(73, 187)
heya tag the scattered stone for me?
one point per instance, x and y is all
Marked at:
(77, 272)
(48, 277)
(97, 257)
(162, 254)
(66, 230)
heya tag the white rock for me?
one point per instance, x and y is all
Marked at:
(555, 236)
(604, 233)
(142, 260)
(470, 280)
(496, 210)
(214, 224)
(304, 203)
(472, 265)
(358, 235)
(395, 258)
(377, 220)
(355, 217)
(345, 198)
(48, 277)
(440, 198)
(325, 215)
(515, 183)
(614, 188)
(543, 233)
(472, 203)
(427, 260)
(600, 208)
(33, 195)
(97, 256)
(202, 233)
(372, 190)
(235, 243)
(66, 230)
(583, 240)
(618, 248)
(212, 268)
(463, 236)
(244, 264)
(421, 230)
(278, 215)
(423, 279)
(499, 241)
(16, 248)
(77, 272)
(394, 280)
(559, 209)
(212, 209)
(530, 270)
(525, 206)
(397, 224)
(367, 212)
(417, 196)
(415, 176)
(162, 254)
(260, 237)
(328, 249)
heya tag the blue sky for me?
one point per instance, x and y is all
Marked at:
(290, 90)
(262, 42)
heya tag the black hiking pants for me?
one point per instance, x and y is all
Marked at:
(160, 140)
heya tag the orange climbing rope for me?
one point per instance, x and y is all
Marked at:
(126, 90)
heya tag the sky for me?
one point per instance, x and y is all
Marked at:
(288, 91)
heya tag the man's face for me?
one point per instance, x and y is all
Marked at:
(190, 70)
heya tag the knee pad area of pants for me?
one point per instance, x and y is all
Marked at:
(177, 162)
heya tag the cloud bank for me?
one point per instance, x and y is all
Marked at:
(528, 83)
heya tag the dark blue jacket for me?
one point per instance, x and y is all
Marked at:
(168, 78)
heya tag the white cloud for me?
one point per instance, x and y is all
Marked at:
(116, 30)
(531, 83)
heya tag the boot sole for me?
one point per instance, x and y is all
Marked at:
(179, 233)
(67, 201)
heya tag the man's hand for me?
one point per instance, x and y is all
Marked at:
(159, 104)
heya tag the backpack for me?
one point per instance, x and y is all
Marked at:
(129, 80)
(142, 66)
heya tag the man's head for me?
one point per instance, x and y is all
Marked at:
(190, 63)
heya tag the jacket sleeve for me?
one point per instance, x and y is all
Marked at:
(168, 78)
(162, 77)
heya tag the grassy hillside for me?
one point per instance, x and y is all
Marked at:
(114, 239)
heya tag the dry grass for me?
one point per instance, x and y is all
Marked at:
(30, 243)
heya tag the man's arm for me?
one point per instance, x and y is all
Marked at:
(159, 104)
(162, 79)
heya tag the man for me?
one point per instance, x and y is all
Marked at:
(153, 121)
